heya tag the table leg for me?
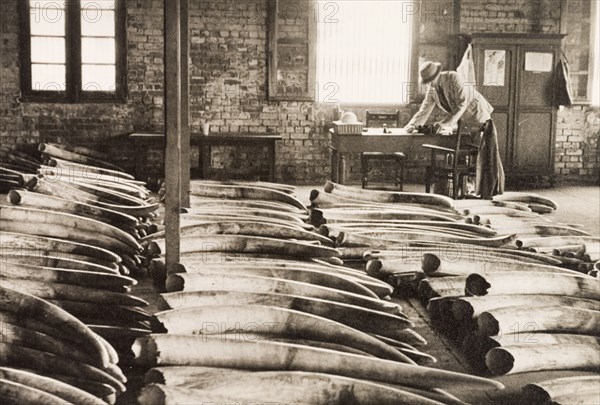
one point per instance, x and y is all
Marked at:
(205, 150)
(342, 169)
(334, 166)
(140, 159)
(271, 158)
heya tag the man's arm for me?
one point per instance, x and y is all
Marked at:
(424, 111)
(458, 93)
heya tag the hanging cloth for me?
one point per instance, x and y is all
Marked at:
(489, 179)
(466, 69)
(564, 93)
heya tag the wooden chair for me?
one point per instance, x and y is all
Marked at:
(455, 164)
(383, 120)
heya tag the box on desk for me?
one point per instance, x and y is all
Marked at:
(342, 128)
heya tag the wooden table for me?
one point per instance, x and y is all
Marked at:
(143, 142)
(374, 140)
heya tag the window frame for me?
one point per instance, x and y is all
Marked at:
(73, 92)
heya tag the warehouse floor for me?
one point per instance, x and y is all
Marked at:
(580, 205)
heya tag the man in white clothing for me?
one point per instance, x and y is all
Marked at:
(447, 91)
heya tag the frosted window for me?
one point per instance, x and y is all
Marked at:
(47, 50)
(48, 77)
(97, 50)
(364, 51)
(98, 78)
(98, 23)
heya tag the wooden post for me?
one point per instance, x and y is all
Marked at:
(185, 105)
(173, 129)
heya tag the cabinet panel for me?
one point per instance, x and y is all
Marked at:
(494, 66)
(533, 143)
(536, 70)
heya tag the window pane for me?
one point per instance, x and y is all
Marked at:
(98, 24)
(596, 66)
(98, 78)
(98, 50)
(47, 50)
(97, 4)
(48, 77)
(47, 21)
(364, 63)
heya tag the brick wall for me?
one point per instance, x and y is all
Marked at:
(99, 125)
(229, 90)
(578, 133)
(228, 87)
(520, 16)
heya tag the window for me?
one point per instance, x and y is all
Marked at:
(73, 50)
(595, 54)
(364, 51)
(582, 49)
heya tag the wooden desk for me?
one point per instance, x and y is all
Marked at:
(143, 142)
(374, 140)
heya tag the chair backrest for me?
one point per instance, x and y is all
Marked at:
(464, 145)
(374, 119)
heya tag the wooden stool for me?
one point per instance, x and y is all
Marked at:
(398, 157)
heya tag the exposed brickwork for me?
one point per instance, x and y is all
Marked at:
(542, 16)
(229, 89)
(99, 125)
(577, 135)
(229, 86)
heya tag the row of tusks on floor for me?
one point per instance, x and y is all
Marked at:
(485, 271)
(260, 310)
(70, 236)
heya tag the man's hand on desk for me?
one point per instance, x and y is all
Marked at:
(410, 129)
(441, 129)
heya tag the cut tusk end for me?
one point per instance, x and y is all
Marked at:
(374, 267)
(476, 285)
(14, 197)
(488, 325)
(314, 194)
(175, 283)
(430, 263)
(499, 361)
(155, 376)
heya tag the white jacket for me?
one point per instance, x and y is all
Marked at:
(461, 100)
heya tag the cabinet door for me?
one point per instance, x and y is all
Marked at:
(535, 113)
(536, 77)
(533, 148)
(494, 65)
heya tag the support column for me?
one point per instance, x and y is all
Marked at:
(185, 104)
(172, 71)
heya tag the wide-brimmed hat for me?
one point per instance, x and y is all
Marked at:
(429, 71)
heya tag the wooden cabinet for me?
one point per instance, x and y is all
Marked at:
(517, 75)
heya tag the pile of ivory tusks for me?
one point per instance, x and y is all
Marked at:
(48, 356)
(259, 310)
(517, 308)
(570, 245)
(70, 234)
